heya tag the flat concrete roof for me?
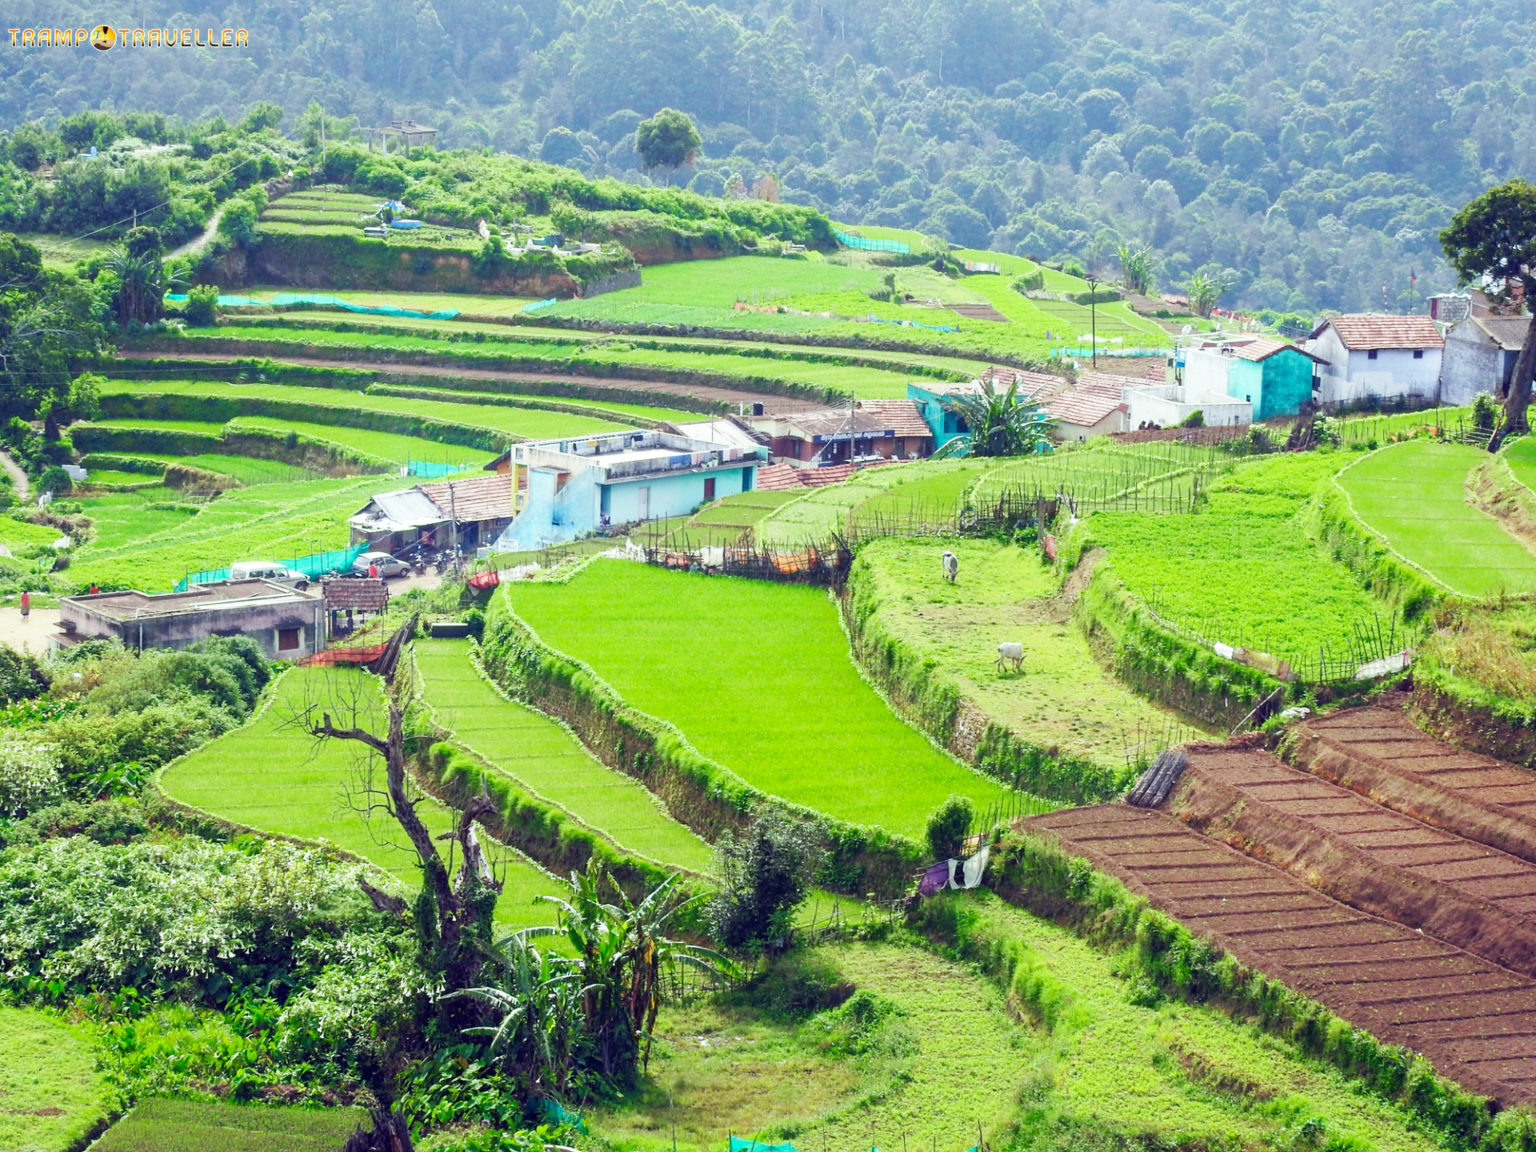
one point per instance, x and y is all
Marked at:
(134, 605)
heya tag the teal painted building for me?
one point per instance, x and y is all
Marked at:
(1276, 377)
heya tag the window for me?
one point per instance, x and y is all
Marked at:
(1418, 353)
(288, 639)
(1371, 355)
(709, 489)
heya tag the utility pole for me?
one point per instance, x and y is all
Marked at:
(1093, 315)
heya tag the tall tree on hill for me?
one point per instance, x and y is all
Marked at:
(47, 320)
(1492, 241)
(668, 140)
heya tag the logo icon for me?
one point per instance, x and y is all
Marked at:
(103, 37)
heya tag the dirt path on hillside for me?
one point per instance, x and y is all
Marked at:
(19, 482)
(200, 241)
(661, 389)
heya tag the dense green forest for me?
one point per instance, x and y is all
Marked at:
(1310, 150)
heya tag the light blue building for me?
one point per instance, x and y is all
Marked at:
(570, 488)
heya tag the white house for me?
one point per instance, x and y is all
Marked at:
(1093, 411)
(1376, 357)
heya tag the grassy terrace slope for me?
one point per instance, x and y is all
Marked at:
(600, 358)
(549, 761)
(271, 776)
(51, 1094)
(519, 423)
(145, 548)
(758, 677)
(1063, 700)
(1242, 569)
(1413, 495)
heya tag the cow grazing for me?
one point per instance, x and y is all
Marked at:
(951, 565)
(1010, 655)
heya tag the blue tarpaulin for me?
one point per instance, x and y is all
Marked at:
(313, 300)
(865, 244)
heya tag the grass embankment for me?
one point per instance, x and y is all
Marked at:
(1063, 702)
(546, 760)
(1143, 477)
(211, 1126)
(271, 775)
(1413, 495)
(758, 677)
(1243, 569)
(521, 423)
(52, 1095)
(728, 521)
(597, 358)
(140, 546)
(925, 1052)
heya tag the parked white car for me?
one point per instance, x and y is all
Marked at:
(386, 564)
(267, 570)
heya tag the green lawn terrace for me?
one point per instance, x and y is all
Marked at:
(1063, 701)
(1413, 496)
(772, 695)
(272, 776)
(545, 760)
(160, 1125)
(53, 1092)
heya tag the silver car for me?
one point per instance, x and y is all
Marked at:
(386, 564)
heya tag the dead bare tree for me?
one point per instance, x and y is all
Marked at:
(452, 914)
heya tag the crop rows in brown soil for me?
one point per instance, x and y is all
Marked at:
(1370, 857)
(1380, 754)
(1474, 1019)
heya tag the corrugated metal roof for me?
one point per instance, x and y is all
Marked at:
(409, 507)
(1508, 332)
(1372, 332)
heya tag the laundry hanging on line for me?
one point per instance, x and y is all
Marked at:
(953, 873)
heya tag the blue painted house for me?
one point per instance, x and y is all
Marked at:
(931, 398)
(1274, 376)
(570, 488)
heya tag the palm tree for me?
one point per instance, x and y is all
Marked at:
(143, 281)
(997, 423)
(612, 983)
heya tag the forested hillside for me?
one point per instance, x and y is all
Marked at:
(1309, 149)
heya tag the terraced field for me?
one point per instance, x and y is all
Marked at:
(52, 1093)
(1474, 1019)
(772, 695)
(547, 760)
(1413, 496)
(272, 776)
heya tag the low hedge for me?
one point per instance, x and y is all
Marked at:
(501, 401)
(111, 462)
(934, 702)
(697, 791)
(94, 439)
(1034, 873)
(253, 368)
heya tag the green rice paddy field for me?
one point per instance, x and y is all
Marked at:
(547, 760)
(52, 1095)
(1413, 495)
(759, 678)
(272, 776)
(212, 1126)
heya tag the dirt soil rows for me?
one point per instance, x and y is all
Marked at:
(621, 388)
(1474, 1019)
(1378, 752)
(1370, 857)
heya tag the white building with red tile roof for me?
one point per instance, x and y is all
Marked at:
(1377, 357)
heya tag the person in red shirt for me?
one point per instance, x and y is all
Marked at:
(373, 571)
(26, 604)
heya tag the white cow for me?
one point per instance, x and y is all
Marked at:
(951, 565)
(1010, 654)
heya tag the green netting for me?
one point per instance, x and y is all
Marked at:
(740, 1145)
(315, 565)
(312, 300)
(430, 471)
(865, 244)
(551, 1111)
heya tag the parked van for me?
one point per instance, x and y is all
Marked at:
(267, 570)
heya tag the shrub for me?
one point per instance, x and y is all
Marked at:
(1485, 412)
(1195, 419)
(765, 873)
(948, 827)
(1029, 282)
(55, 480)
(202, 310)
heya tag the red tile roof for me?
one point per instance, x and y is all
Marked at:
(1031, 384)
(1084, 407)
(1263, 347)
(477, 498)
(1365, 333)
(356, 593)
(777, 478)
(901, 415)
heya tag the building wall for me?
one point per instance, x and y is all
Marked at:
(1287, 383)
(944, 425)
(676, 495)
(262, 623)
(1206, 371)
(1473, 363)
(1353, 377)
